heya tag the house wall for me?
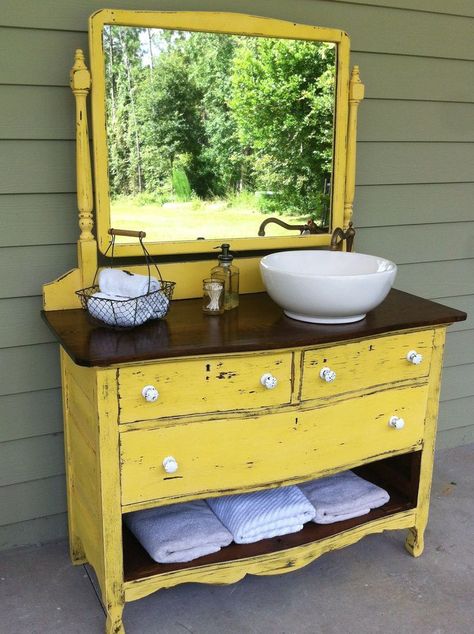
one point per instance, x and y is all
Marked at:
(415, 187)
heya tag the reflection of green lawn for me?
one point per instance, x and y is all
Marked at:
(191, 220)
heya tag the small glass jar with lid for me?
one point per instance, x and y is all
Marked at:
(213, 293)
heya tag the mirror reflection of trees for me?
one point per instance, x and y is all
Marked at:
(205, 116)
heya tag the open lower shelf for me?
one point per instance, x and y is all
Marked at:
(398, 475)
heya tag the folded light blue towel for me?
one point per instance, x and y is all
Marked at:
(254, 516)
(178, 532)
(343, 496)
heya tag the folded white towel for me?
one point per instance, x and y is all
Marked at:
(343, 496)
(254, 516)
(126, 284)
(178, 532)
(125, 312)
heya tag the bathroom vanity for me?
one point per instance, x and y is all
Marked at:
(193, 407)
(215, 429)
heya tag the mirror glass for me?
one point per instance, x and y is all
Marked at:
(209, 134)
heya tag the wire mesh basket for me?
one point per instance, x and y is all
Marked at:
(128, 312)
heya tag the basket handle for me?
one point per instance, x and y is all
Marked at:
(127, 232)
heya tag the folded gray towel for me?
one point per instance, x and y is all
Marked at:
(178, 532)
(343, 496)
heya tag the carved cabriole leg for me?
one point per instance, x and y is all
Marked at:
(111, 577)
(415, 539)
(356, 94)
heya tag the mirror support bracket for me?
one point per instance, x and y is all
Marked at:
(356, 95)
(80, 82)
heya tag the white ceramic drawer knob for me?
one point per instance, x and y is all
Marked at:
(170, 464)
(268, 381)
(150, 393)
(396, 422)
(414, 357)
(327, 375)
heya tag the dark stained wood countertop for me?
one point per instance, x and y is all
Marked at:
(257, 324)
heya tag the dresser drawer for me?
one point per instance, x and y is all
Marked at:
(218, 456)
(365, 364)
(204, 385)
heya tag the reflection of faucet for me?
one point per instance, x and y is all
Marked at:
(339, 235)
(309, 227)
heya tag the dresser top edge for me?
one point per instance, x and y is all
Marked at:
(258, 324)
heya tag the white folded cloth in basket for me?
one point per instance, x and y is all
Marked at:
(127, 312)
(343, 496)
(126, 284)
(178, 532)
(254, 516)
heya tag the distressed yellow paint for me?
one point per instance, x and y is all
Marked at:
(272, 450)
(365, 364)
(220, 23)
(237, 441)
(60, 294)
(272, 564)
(204, 385)
(415, 539)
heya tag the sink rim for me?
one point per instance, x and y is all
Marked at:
(265, 262)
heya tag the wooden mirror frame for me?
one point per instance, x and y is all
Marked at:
(229, 23)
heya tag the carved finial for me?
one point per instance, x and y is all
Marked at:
(356, 87)
(80, 77)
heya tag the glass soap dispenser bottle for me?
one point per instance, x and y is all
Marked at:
(229, 273)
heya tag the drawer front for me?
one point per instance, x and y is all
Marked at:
(204, 385)
(365, 364)
(215, 457)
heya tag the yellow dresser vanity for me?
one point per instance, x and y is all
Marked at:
(177, 410)
(224, 432)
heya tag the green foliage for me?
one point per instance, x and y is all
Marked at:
(181, 186)
(220, 116)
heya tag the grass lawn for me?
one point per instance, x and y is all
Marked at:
(191, 220)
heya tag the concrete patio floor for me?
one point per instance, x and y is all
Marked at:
(370, 587)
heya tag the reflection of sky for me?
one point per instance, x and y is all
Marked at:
(158, 45)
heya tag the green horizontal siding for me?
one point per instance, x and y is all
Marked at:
(422, 78)
(391, 163)
(36, 112)
(456, 413)
(417, 33)
(28, 500)
(49, 164)
(20, 323)
(31, 459)
(414, 243)
(33, 413)
(455, 437)
(405, 204)
(457, 382)
(54, 216)
(29, 368)
(398, 120)
(415, 187)
(35, 531)
(25, 269)
(436, 279)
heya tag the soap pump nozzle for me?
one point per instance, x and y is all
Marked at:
(224, 255)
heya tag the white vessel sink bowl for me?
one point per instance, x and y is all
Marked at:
(327, 287)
